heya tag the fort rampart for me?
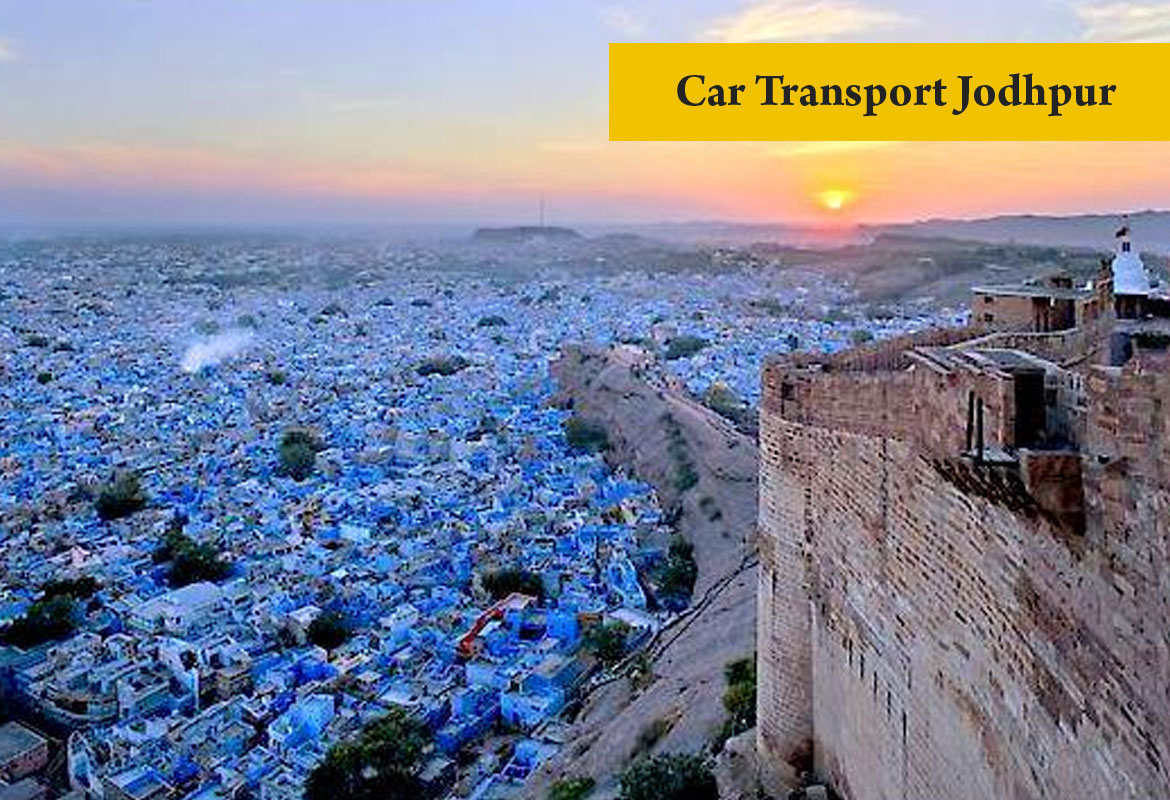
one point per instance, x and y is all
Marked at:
(935, 626)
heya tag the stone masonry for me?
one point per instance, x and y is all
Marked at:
(946, 619)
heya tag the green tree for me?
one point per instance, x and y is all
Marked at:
(684, 347)
(740, 702)
(298, 453)
(443, 365)
(585, 435)
(669, 777)
(47, 620)
(121, 497)
(571, 789)
(726, 403)
(677, 578)
(191, 561)
(608, 641)
(81, 588)
(500, 583)
(200, 562)
(329, 630)
(685, 477)
(739, 699)
(860, 336)
(741, 670)
(173, 540)
(382, 763)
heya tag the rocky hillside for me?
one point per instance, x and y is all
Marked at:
(706, 470)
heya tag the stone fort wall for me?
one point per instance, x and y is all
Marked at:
(928, 629)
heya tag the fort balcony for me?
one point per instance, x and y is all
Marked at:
(996, 419)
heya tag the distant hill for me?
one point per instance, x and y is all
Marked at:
(897, 267)
(741, 234)
(1151, 230)
(525, 233)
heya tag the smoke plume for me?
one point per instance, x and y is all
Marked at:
(215, 349)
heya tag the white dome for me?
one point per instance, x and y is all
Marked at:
(1129, 274)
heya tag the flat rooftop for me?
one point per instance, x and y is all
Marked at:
(26, 789)
(16, 739)
(979, 359)
(1028, 290)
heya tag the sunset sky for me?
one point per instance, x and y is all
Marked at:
(404, 111)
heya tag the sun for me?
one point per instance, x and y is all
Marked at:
(834, 199)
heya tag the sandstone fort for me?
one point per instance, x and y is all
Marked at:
(964, 587)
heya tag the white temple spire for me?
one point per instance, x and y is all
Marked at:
(1129, 273)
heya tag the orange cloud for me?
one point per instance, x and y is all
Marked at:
(646, 180)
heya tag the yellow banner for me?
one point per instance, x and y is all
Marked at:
(908, 92)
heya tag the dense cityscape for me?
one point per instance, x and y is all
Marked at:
(257, 494)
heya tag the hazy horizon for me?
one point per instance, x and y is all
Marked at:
(468, 226)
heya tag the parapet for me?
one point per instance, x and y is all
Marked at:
(933, 389)
(887, 355)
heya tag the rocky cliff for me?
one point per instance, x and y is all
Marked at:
(704, 470)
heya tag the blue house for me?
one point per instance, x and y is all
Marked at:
(304, 722)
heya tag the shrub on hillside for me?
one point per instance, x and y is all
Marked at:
(860, 336)
(739, 699)
(677, 577)
(571, 789)
(608, 641)
(727, 404)
(585, 435)
(669, 777)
